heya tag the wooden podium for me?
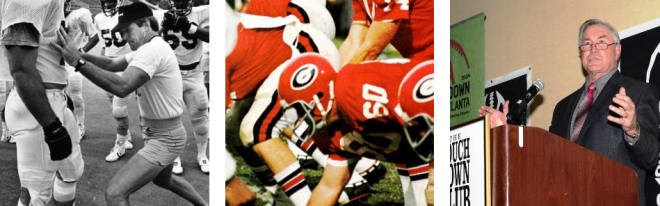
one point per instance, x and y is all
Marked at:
(545, 169)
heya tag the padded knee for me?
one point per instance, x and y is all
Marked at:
(119, 108)
(64, 191)
(200, 122)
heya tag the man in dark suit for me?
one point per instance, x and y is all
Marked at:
(613, 115)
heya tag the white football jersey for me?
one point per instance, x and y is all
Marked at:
(113, 44)
(79, 24)
(47, 17)
(187, 47)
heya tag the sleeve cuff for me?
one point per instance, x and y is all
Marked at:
(631, 141)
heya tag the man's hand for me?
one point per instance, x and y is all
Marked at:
(58, 140)
(497, 118)
(626, 111)
(169, 20)
(66, 47)
(183, 24)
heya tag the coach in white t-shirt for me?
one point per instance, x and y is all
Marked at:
(152, 71)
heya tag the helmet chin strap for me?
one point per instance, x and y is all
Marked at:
(324, 113)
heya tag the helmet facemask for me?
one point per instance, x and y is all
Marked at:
(312, 116)
(419, 133)
(109, 7)
(181, 8)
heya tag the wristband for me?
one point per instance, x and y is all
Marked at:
(193, 29)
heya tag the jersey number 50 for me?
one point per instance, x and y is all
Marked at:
(112, 39)
(376, 99)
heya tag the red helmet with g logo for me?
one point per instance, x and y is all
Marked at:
(307, 84)
(416, 108)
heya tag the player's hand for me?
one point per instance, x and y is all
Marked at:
(66, 47)
(169, 20)
(183, 24)
(58, 140)
(626, 111)
(497, 118)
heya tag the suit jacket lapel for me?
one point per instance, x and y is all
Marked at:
(604, 99)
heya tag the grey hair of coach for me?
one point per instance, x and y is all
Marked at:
(592, 22)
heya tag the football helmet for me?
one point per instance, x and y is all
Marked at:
(307, 85)
(313, 13)
(416, 108)
(181, 7)
(109, 7)
(67, 7)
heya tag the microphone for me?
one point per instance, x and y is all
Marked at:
(536, 87)
(518, 110)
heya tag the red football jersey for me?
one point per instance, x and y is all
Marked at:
(255, 56)
(414, 38)
(365, 98)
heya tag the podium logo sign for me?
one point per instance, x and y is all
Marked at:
(466, 67)
(467, 164)
(511, 86)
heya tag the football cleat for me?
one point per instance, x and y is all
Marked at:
(203, 163)
(177, 169)
(117, 152)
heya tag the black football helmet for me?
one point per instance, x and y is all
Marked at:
(109, 7)
(181, 7)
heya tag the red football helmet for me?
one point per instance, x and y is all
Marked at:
(307, 85)
(416, 108)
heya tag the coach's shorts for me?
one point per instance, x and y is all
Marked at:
(36, 170)
(164, 140)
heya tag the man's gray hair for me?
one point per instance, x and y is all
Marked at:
(592, 22)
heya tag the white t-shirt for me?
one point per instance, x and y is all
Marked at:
(187, 47)
(113, 44)
(162, 96)
(47, 17)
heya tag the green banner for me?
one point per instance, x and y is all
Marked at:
(467, 58)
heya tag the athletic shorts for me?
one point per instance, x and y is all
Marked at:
(164, 140)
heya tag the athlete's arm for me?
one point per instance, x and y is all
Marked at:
(112, 64)
(355, 37)
(202, 34)
(121, 86)
(377, 37)
(332, 182)
(91, 43)
(22, 61)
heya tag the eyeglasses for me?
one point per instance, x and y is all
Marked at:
(599, 46)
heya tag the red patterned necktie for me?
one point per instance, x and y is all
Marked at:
(582, 111)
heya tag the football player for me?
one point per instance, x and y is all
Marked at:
(49, 159)
(352, 114)
(79, 23)
(112, 46)
(378, 23)
(416, 103)
(247, 73)
(185, 28)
